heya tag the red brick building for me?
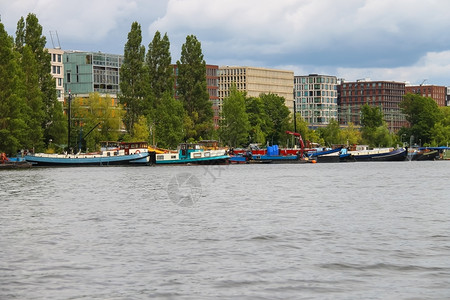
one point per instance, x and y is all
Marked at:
(385, 94)
(436, 92)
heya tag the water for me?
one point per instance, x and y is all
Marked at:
(311, 231)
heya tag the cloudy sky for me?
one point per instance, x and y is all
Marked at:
(399, 40)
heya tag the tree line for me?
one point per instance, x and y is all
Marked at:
(30, 115)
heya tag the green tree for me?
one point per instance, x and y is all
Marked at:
(13, 128)
(160, 70)
(374, 130)
(169, 122)
(441, 130)
(141, 130)
(133, 78)
(95, 119)
(279, 116)
(422, 113)
(258, 119)
(350, 135)
(35, 105)
(235, 125)
(331, 134)
(33, 38)
(192, 89)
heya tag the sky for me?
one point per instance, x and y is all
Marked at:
(393, 40)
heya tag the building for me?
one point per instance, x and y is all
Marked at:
(385, 94)
(316, 98)
(256, 81)
(212, 87)
(88, 72)
(437, 93)
(57, 70)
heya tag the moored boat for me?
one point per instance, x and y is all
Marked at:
(380, 154)
(193, 153)
(111, 153)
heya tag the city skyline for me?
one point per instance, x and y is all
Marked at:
(381, 40)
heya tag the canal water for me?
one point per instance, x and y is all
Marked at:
(376, 230)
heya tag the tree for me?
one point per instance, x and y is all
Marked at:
(235, 125)
(160, 70)
(169, 122)
(374, 129)
(258, 119)
(33, 96)
(441, 130)
(350, 135)
(33, 38)
(331, 134)
(13, 128)
(422, 113)
(95, 119)
(278, 114)
(192, 89)
(133, 78)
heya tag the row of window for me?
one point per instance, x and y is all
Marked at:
(310, 79)
(316, 93)
(316, 86)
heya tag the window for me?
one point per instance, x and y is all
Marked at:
(58, 70)
(59, 81)
(59, 57)
(54, 57)
(54, 69)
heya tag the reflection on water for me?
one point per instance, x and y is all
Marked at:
(312, 231)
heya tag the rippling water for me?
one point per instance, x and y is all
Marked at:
(311, 231)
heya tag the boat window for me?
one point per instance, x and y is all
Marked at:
(160, 157)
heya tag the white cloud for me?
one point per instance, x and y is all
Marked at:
(400, 40)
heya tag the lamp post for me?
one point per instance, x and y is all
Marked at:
(68, 123)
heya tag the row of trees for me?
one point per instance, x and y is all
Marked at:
(30, 114)
(147, 91)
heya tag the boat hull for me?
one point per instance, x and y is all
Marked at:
(88, 160)
(394, 155)
(214, 160)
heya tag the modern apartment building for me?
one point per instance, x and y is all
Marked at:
(57, 70)
(88, 72)
(385, 94)
(256, 81)
(316, 98)
(436, 92)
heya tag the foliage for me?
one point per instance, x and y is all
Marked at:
(169, 122)
(13, 128)
(133, 78)
(422, 113)
(350, 135)
(441, 129)
(331, 134)
(95, 119)
(279, 116)
(140, 130)
(374, 129)
(235, 124)
(160, 70)
(191, 88)
(257, 118)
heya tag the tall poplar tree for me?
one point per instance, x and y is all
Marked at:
(33, 96)
(29, 33)
(192, 89)
(159, 66)
(133, 78)
(13, 128)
